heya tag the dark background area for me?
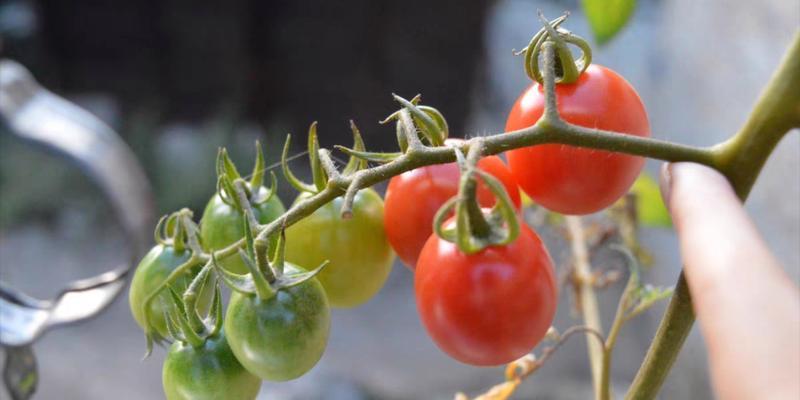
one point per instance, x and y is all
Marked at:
(178, 78)
(292, 61)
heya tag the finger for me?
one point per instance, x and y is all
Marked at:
(748, 309)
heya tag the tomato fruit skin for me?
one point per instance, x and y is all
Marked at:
(487, 308)
(211, 372)
(414, 197)
(573, 180)
(223, 225)
(283, 337)
(154, 268)
(360, 255)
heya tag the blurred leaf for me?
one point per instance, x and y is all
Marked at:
(650, 208)
(526, 200)
(607, 17)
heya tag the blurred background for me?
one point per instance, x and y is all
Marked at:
(179, 78)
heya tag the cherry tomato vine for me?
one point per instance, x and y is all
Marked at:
(575, 142)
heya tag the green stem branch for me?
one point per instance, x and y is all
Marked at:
(740, 159)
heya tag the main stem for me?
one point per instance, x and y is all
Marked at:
(740, 159)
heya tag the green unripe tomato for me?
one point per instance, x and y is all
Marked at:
(154, 268)
(222, 225)
(209, 372)
(359, 253)
(283, 337)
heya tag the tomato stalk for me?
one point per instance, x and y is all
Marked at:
(468, 189)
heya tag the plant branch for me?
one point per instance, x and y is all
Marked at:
(740, 159)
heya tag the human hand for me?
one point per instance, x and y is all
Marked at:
(747, 307)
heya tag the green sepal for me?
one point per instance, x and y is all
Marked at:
(287, 281)
(260, 282)
(318, 175)
(287, 172)
(570, 68)
(355, 163)
(186, 333)
(172, 327)
(228, 168)
(430, 121)
(367, 156)
(272, 190)
(158, 234)
(248, 239)
(225, 187)
(257, 177)
(240, 283)
(214, 318)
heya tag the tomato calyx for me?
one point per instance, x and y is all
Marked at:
(185, 323)
(227, 175)
(323, 171)
(265, 278)
(430, 122)
(567, 68)
(476, 228)
(417, 126)
(179, 231)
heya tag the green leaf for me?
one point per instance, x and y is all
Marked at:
(650, 208)
(607, 17)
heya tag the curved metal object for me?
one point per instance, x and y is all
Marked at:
(47, 121)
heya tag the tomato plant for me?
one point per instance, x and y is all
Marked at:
(573, 180)
(207, 372)
(484, 282)
(489, 307)
(413, 198)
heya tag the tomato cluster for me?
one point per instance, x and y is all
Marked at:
(485, 305)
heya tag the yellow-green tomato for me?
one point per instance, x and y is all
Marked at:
(359, 252)
(223, 225)
(151, 272)
(209, 372)
(284, 336)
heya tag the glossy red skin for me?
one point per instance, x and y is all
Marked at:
(488, 308)
(414, 197)
(572, 180)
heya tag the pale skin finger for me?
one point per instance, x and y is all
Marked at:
(747, 307)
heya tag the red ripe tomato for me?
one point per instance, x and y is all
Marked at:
(573, 180)
(487, 308)
(413, 198)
